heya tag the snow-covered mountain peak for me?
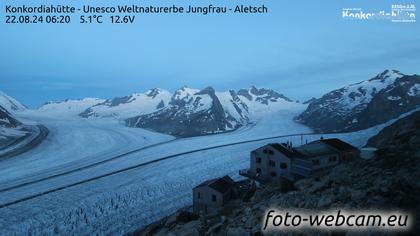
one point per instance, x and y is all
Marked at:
(185, 91)
(197, 112)
(10, 104)
(69, 106)
(262, 95)
(194, 100)
(155, 92)
(258, 92)
(83, 100)
(188, 111)
(131, 105)
(207, 91)
(388, 75)
(183, 96)
(363, 104)
(362, 93)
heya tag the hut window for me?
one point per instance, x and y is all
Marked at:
(213, 198)
(332, 159)
(283, 165)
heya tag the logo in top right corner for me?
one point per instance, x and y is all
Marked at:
(403, 13)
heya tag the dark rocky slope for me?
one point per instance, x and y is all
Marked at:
(402, 132)
(16, 137)
(7, 120)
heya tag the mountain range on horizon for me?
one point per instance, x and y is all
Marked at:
(191, 112)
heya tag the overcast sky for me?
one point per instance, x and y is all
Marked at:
(301, 49)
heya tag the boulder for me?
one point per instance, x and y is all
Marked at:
(185, 216)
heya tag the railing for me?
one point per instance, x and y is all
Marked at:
(247, 173)
(302, 163)
(244, 172)
(301, 171)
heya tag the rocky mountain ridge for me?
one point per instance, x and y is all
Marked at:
(7, 120)
(192, 112)
(405, 131)
(10, 104)
(365, 104)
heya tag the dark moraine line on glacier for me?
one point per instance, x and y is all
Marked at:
(43, 133)
(137, 166)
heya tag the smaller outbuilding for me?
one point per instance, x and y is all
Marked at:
(212, 195)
